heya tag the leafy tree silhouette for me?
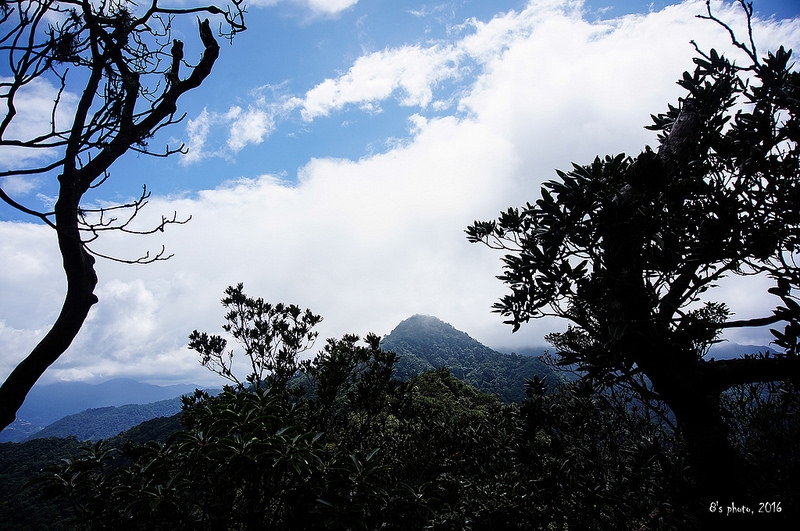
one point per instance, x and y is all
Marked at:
(629, 250)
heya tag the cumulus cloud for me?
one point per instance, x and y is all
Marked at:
(375, 77)
(369, 242)
(414, 70)
(240, 126)
(249, 126)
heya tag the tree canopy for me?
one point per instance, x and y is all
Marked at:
(343, 446)
(630, 250)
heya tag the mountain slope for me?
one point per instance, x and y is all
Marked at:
(726, 351)
(101, 423)
(48, 403)
(424, 343)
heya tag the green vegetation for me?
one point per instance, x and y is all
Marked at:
(424, 343)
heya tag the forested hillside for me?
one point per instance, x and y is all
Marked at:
(48, 403)
(357, 447)
(423, 343)
(102, 423)
(21, 463)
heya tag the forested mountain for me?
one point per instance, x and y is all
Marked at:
(356, 448)
(423, 343)
(48, 403)
(101, 423)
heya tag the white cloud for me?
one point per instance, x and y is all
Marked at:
(330, 7)
(34, 107)
(375, 77)
(242, 127)
(248, 127)
(316, 7)
(16, 185)
(370, 242)
(197, 130)
(416, 71)
(31, 291)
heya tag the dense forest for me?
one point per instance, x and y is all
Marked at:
(347, 444)
(429, 452)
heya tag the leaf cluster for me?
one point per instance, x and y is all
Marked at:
(630, 246)
(272, 337)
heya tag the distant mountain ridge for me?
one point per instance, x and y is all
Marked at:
(48, 403)
(721, 351)
(726, 351)
(104, 422)
(424, 342)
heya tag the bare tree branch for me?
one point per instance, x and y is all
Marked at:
(128, 92)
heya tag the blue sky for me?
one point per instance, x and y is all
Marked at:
(338, 151)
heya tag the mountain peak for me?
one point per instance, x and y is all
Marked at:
(425, 342)
(431, 328)
(419, 319)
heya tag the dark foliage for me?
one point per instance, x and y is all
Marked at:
(438, 455)
(159, 429)
(343, 446)
(764, 420)
(630, 250)
(272, 337)
(20, 464)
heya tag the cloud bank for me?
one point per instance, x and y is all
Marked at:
(369, 242)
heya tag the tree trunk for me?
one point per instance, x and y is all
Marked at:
(681, 379)
(82, 166)
(695, 401)
(81, 280)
